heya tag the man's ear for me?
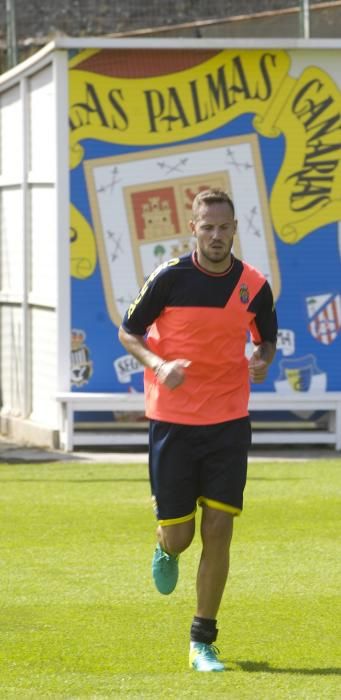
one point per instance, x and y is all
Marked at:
(191, 226)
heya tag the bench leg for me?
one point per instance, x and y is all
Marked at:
(338, 426)
(68, 428)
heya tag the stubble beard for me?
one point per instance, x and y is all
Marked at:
(225, 255)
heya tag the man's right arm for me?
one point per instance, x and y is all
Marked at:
(148, 306)
(171, 373)
(136, 346)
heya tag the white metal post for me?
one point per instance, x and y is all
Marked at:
(11, 38)
(26, 238)
(61, 136)
(304, 19)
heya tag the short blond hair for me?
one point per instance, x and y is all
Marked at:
(211, 196)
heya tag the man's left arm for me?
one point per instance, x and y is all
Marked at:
(260, 361)
(264, 334)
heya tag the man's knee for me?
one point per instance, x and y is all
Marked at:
(176, 538)
(216, 526)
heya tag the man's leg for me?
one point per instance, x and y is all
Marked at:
(216, 534)
(173, 478)
(173, 539)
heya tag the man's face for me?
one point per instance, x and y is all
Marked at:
(214, 229)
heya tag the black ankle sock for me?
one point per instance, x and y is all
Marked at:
(204, 630)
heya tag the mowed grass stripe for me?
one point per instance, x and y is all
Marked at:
(79, 615)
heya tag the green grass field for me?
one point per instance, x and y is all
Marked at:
(79, 615)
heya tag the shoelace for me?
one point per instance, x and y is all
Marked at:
(167, 557)
(164, 555)
(211, 650)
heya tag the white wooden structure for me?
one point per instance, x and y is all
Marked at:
(34, 293)
(36, 403)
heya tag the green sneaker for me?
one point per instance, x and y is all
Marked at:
(165, 570)
(203, 657)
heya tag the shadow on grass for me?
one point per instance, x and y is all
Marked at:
(72, 481)
(264, 667)
(114, 479)
(277, 478)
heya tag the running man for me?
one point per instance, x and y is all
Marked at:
(188, 326)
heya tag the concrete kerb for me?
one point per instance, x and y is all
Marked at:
(15, 453)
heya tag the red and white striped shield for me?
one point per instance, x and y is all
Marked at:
(324, 312)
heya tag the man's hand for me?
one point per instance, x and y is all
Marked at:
(260, 361)
(258, 370)
(172, 373)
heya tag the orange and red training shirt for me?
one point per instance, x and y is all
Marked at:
(184, 311)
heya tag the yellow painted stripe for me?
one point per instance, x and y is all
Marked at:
(219, 506)
(176, 521)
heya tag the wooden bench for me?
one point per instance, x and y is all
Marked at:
(300, 402)
(70, 402)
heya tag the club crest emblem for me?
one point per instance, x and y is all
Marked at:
(244, 294)
(81, 365)
(300, 374)
(324, 312)
(141, 204)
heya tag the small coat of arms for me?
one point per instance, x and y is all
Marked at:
(244, 294)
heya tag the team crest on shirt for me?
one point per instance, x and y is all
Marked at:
(244, 294)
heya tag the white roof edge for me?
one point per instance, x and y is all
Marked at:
(68, 43)
(29, 65)
(192, 43)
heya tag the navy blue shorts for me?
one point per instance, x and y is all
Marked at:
(190, 464)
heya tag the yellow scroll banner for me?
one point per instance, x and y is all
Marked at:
(82, 246)
(172, 107)
(191, 103)
(307, 191)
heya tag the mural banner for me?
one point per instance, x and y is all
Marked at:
(149, 128)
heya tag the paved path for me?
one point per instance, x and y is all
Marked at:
(14, 453)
